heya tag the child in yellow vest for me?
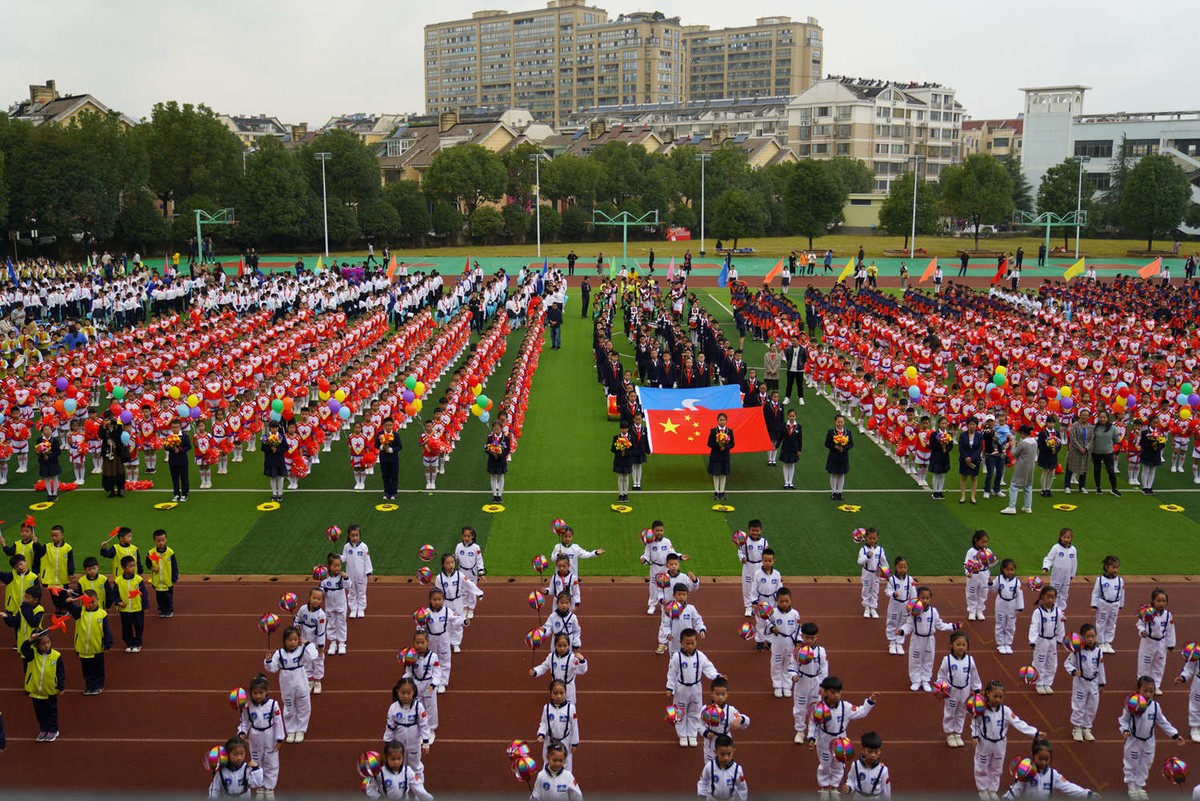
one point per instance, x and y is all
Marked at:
(118, 551)
(28, 618)
(164, 572)
(16, 582)
(92, 580)
(92, 639)
(45, 678)
(26, 546)
(56, 566)
(131, 600)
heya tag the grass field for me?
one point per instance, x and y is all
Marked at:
(563, 469)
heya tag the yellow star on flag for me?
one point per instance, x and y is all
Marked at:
(669, 427)
(687, 418)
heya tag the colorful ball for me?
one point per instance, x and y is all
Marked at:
(424, 575)
(215, 758)
(408, 656)
(739, 538)
(1023, 770)
(534, 637)
(238, 698)
(319, 572)
(673, 715)
(859, 535)
(1074, 642)
(1175, 770)
(557, 525)
(421, 616)
(804, 655)
(333, 533)
(974, 566)
(884, 572)
(369, 764)
(288, 602)
(821, 712)
(517, 748)
(711, 716)
(1034, 583)
(662, 580)
(941, 689)
(842, 749)
(1146, 612)
(1028, 674)
(540, 563)
(763, 610)
(675, 610)
(524, 767)
(976, 705)
(915, 607)
(268, 623)
(746, 630)
(1191, 652)
(987, 557)
(426, 553)
(1136, 704)
(647, 535)
(536, 598)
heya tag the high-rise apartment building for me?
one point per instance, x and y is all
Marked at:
(572, 55)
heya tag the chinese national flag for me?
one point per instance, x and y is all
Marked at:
(686, 431)
(1000, 270)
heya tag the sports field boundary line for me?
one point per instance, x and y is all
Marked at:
(601, 581)
(487, 493)
(587, 613)
(538, 691)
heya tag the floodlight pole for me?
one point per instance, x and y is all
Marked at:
(324, 157)
(1078, 203)
(537, 207)
(912, 240)
(702, 158)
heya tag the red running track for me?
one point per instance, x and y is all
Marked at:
(163, 708)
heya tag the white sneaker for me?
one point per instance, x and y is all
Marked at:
(801, 401)
(950, 741)
(746, 611)
(291, 737)
(914, 687)
(432, 737)
(1196, 735)
(683, 742)
(786, 401)
(799, 738)
(1083, 490)
(456, 648)
(300, 734)
(1088, 736)
(1028, 510)
(1008, 510)
(650, 611)
(316, 691)
(692, 742)
(341, 647)
(866, 611)
(891, 648)
(1077, 734)
(925, 687)
(441, 689)
(778, 692)
(900, 649)
(1107, 648)
(874, 613)
(1066, 490)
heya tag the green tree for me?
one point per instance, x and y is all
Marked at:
(378, 219)
(191, 152)
(813, 199)
(486, 223)
(351, 172)
(1060, 192)
(517, 222)
(572, 179)
(411, 206)
(551, 223)
(979, 190)
(1106, 210)
(3, 194)
(896, 213)
(620, 171)
(737, 214)
(522, 172)
(854, 174)
(576, 224)
(1022, 192)
(446, 220)
(272, 202)
(466, 175)
(1155, 198)
(139, 225)
(1192, 218)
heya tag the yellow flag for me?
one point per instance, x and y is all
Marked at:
(317, 266)
(1074, 270)
(847, 271)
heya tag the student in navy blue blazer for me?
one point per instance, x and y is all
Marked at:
(640, 436)
(720, 445)
(970, 456)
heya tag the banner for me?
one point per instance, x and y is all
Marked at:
(685, 431)
(728, 396)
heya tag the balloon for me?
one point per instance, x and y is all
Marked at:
(125, 438)
(1185, 413)
(126, 417)
(319, 572)
(409, 410)
(476, 389)
(1181, 399)
(1028, 674)
(238, 698)
(277, 405)
(288, 602)
(410, 382)
(910, 371)
(1051, 393)
(1065, 392)
(195, 413)
(69, 406)
(476, 410)
(488, 408)
(1194, 399)
(419, 389)
(275, 416)
(323, 396)
(482, 401)
(59, 407)
(118, 392)
(334, 406)
(998, 379)
(485, 417)
(333, 533)
(61, 383)
(1067, 403)
(1002, 370)
(1124, 391)
(174, 392)
(193, 400)
(914, 392)
(426, 553)
(1186, 389)
(340, 395)
(344, 412)
(417, 406)
(369, 764)
(408, 396)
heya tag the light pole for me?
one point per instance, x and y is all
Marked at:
(702, 157)
(245, 153)
(324, 157)
(537, 204)
(1079, 201)
(912, 240)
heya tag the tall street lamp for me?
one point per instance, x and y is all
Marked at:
(1079, 201)
(324, 157)
(537, 206)
(702, 158)
(912, 240)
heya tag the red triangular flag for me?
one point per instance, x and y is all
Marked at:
(1003, 268)
(58, 622)
(467, 266)
(135, 593)
(776, 270)
(241, 266)
(929, 270)
(391, 270)
(54, 590)
(29, 521)
(1152, 269)
(153, 556)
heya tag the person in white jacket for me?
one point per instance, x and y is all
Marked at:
(426, 672)
(722, 779)
(294, 663)
(1156, 634)
(1108, 599)
(262, 724)
(559, 723)
(961, 676)
(239, 775)
(563, 663)
(685, 671)
(867, 776)
(1086, 668)
(396, 780)
(1046, 630)
(989, 730)
(1062, 563)
(1138, 730)
(554, 782)
(356, 559)
(1047, 781)
(407, 725)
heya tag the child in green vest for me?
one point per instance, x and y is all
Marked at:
(131, 600)
(56, 565)
(45, 678)
(164, 573)
(28, 618)
(92, 639)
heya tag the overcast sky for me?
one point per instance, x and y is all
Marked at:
(301, 65)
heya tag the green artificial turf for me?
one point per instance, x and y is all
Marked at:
(562, 468)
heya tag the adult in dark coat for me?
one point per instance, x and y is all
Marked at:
(791, 442)
(795, 358)
(497, 448)
(113, 455)
(1151, 451)
(585, 295)
(970, 457)
(1049, 442)
(773, 420)
(720, 445)
(839, 441)
(48, 449)
(387, 443)
(640, 436)
(941, 442)
(622, 450)
(274, 466)
(177, 462)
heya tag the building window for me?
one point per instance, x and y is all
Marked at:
(822, 111)
(1094, 148)
(1001, 141)
(1142, 147)
(1100, 181)
(821, 149)
(843, 148)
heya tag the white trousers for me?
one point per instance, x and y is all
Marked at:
(297, 707)
(1063, 588)
(1106, 622)
(335, 625)
(1137, 761)
(805, 693)
(781, 662)
(1085, 698)
(920, 658)
(989, 765)
(440, 645)
(1152, 659)
(1006, 622)
(748, 593)
(954, 710)
(689, 700)
(1045, 659)
(1194, 705)
(829, 770)
(358, 596)
(655, 592)
(262, 751)
(896, 614)
(870, 589)
(977, 591)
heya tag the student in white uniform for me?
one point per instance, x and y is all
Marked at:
(978, 555)
(407, 725)
(239, 775)
(559, 723)
(822, 733)
(867, 776)
(990, 732)
(336, 585)
(572, 551)
(563, 621)
(655, 556)
(563, 664)
(396, 779)
(564, 580)
(293, 662)
(554, 782)
(680, 616)
(901, 588)
(311, 620)
(1138, 731)
(871, 557)
(1046, 630)
(426, 672)
(731, 717)
(460, 593)
(783, 633)
(1047, 782)
(262, 724)
(673, 578)
(1062, 563)
(807, 677)
(722, 779)
(356, 559)
(750, 554)
(685, 670)
(470, 556)
(767, 584)
(959, 672)
(1108, 599)
(1010, 602)
(922, 645)
(1086, 667)
(1156, 633)
(1191, 670)
(441, 626)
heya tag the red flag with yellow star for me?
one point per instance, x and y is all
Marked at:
(680, 431)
